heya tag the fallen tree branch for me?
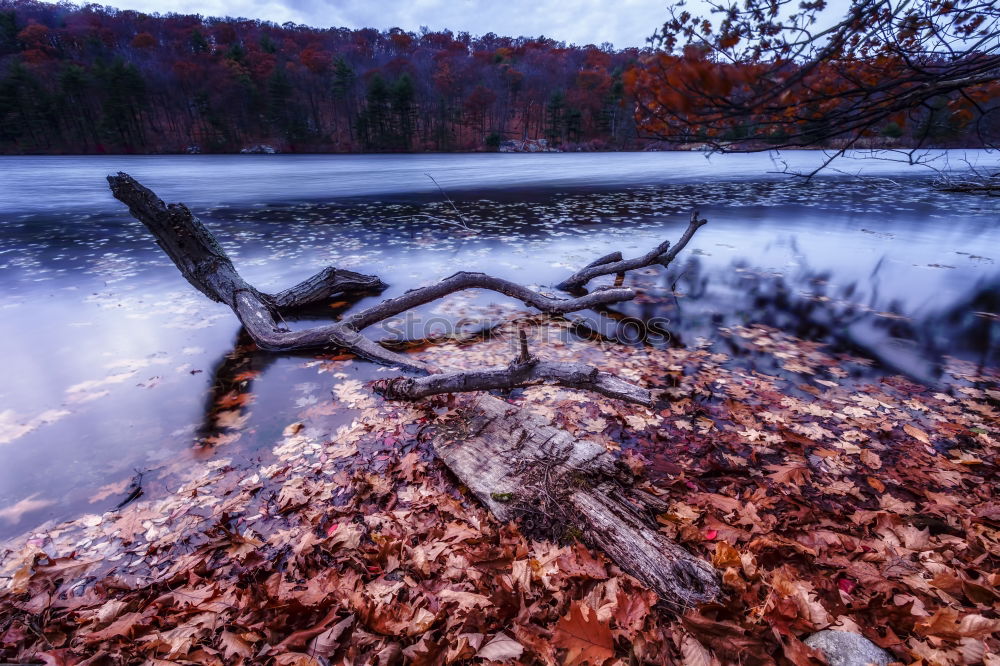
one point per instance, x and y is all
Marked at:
(613, 263)
(464, 280)
(323, 286)
(516, 375)
(494, 448)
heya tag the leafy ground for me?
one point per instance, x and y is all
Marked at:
(824, 497)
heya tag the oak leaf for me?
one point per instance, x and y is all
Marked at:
(234, 645)
(585, 639)
(946, 624)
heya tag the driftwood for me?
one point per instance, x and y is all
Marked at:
(494, 448)
(613, 263)
(519, 465)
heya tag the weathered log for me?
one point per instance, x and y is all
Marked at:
(521, 466)
(525, 370)
(613, 263)
(203, 262)
(496, 449)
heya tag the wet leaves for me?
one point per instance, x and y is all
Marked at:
(348, 543)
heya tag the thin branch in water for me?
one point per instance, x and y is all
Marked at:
(463, 224)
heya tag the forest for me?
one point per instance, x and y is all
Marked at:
(94, 79)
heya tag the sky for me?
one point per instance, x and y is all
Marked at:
(624, 23)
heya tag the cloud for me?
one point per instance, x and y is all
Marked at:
(623, 23)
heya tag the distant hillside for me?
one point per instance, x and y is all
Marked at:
(98, 80)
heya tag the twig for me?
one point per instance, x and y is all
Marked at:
(451, 203)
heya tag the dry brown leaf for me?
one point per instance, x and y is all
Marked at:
(234, 645)
(325, 644)
(694, 653)
(916, 433)
(501, 648)
(585, 638)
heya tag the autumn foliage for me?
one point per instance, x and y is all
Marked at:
(93, 79)
(774, 74)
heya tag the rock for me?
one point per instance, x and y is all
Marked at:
(259, 149)
(527, 146)
(845, 648)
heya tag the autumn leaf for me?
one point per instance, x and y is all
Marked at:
(694, 653)
(916, 433)
(725, 556)
(234, 645)
(326, 643)
(501, 648)
(585, 639)
(794, 473)
(945, 623)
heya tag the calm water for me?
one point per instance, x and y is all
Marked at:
(112, 363)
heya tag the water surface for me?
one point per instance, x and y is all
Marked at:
(112, 363)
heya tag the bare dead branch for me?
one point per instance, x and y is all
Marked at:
(463, 280)
(517, 375)
(521, 451)
(323, 286)
(662, 254)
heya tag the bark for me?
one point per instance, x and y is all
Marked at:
(496, 449)
(522, 467)
(662, 254)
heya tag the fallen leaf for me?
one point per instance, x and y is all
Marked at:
(501, 648)
(586, 639)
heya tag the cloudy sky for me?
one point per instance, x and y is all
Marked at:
(621, 22)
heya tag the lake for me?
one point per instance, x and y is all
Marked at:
(114, 365)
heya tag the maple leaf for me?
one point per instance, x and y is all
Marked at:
(585, 638)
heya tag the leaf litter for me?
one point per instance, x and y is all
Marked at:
(823, 502)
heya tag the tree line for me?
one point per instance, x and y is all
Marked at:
(94, 79)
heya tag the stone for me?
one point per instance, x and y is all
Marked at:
(845, 648)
